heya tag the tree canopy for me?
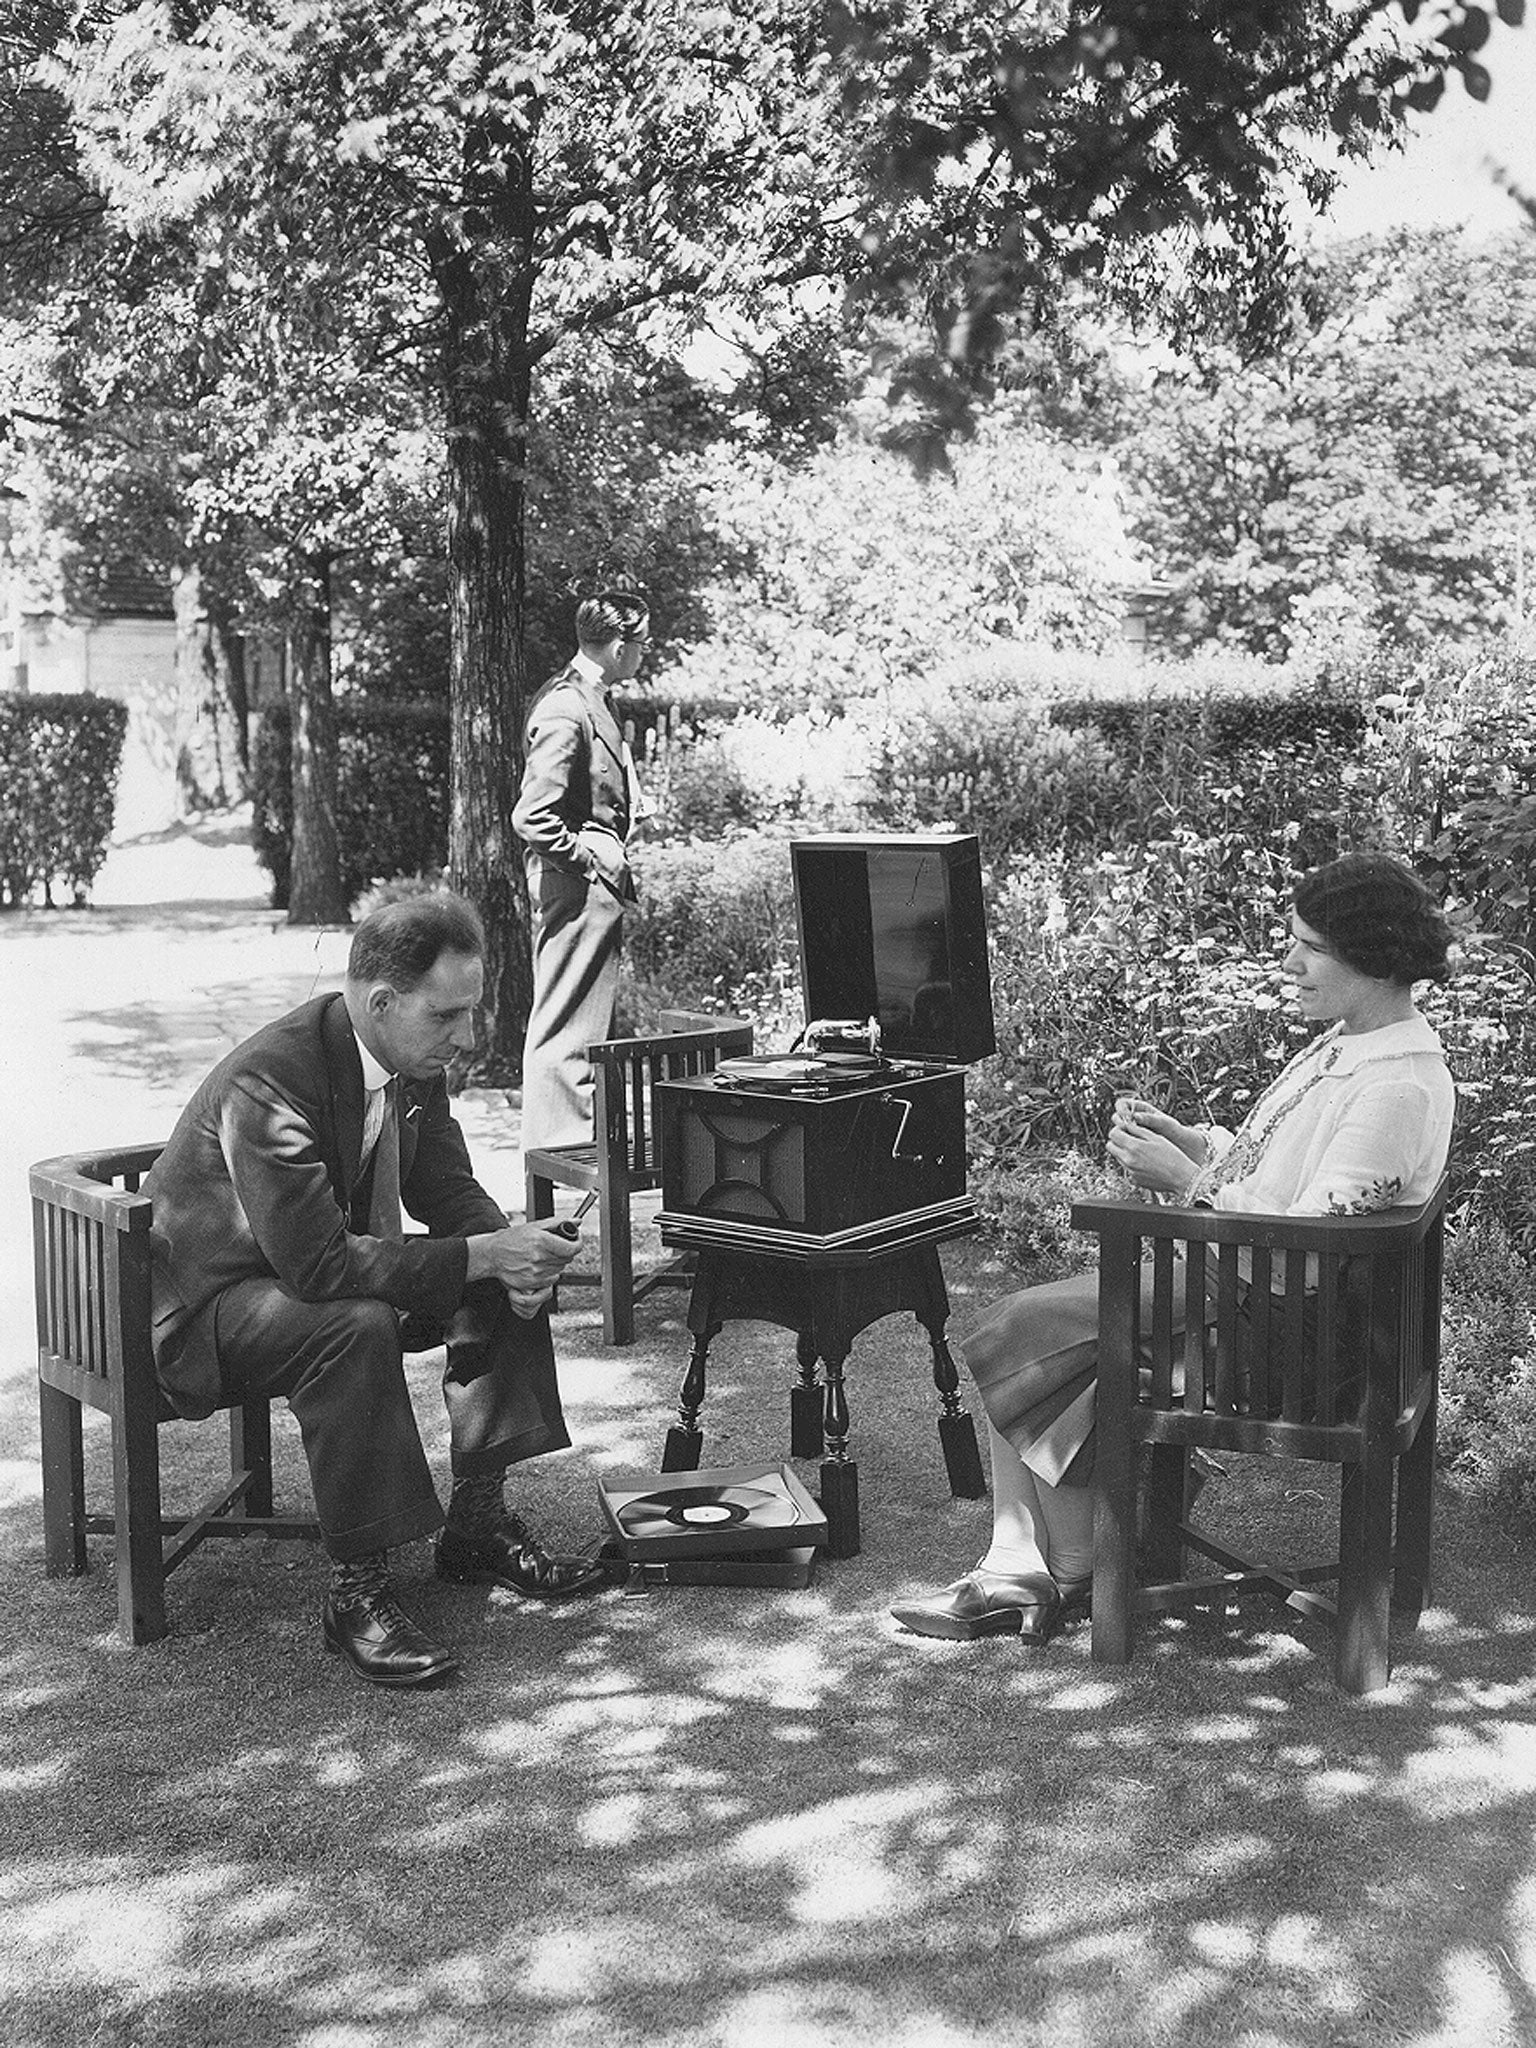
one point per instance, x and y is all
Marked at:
(1370, 472)
(383, 215)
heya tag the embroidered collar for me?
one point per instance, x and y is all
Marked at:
(1391, 1042)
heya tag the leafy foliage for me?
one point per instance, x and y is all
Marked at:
(59, 757)
(1144, 147)
(845, 572)
(1367, 471)
(392, 793)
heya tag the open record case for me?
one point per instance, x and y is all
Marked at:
(853, 1141)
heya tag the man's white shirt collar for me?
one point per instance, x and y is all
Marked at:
(374, 1076)
(587, 669)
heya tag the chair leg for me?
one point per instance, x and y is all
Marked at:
(1167, 1500)
(618, 1262)
(63, 1460)
(1413, 1544)
(1365, 1573)
(136, 1485)
(250, 1450)
(538, 1195)
(1114, 1544)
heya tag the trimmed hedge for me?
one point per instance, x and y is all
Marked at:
(1215, 728)
(392, 792)
(59, 760)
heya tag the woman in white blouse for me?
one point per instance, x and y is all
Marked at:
(1359, 1120)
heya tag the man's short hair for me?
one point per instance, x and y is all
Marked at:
(402, 942)
(610, 615)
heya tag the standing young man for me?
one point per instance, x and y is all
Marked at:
(573, 814)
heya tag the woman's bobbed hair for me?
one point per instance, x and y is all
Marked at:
(1378, 917)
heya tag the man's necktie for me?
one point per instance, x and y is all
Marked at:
(384, 1207)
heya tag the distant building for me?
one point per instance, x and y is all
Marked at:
(119, 641)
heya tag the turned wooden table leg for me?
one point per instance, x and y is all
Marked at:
(839, 1473)
(685, 1439)
(957, 1432)
(806, 1438)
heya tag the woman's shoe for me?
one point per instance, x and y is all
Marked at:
(987, 1604)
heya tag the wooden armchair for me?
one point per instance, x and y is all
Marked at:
(90, 1235)
(1321, 1341)
(623, 1159)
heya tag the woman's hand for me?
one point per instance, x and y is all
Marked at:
(1133, 1113)
(1151, 1160)
(1154, 1150)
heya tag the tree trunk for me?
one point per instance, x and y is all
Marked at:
(487, 380)
(315, 894)
(214, 752)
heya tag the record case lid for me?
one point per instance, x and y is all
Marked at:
(892, 926)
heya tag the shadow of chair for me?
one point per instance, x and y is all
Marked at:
(1322, 1341)
(624, 1159)
(90, 1232)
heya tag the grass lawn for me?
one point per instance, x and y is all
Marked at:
(726, 1816)
(705, 1816)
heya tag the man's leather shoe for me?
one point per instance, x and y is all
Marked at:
(514, 1558)
(987, 1604)
(381, 1643)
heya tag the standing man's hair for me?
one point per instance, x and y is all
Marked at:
(610, 615)
(402, 942)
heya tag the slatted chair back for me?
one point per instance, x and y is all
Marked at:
(1319, 1340)
(625, 1072)
(91, 1250)
(624, 1158)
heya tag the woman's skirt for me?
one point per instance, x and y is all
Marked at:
(1034, 1357)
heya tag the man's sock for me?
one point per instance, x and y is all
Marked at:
(359, 1578)
(475, 1507)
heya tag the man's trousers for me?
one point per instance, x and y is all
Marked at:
(340, 1366)
(577, 931)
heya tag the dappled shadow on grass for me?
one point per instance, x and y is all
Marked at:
(708, 1815)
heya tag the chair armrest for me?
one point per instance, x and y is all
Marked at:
(700, 1020)
(1249, 1227)
(80, 1182)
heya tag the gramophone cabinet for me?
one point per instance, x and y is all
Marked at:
(856, 1140)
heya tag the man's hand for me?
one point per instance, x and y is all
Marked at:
(525, 1258)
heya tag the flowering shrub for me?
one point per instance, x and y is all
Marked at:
(1487, 1430)
(992, 766)
(714, 928)
(801, 772)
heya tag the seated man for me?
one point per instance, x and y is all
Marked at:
(280, 1268)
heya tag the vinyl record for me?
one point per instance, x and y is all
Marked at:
(768, 1067)
(705, 1507)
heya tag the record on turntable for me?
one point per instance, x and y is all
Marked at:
(721, 1510)
(796, 1072)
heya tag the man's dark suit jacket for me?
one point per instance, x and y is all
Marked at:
(259, 1179)
(574, 789)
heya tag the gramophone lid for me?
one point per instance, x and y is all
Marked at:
(892, 926)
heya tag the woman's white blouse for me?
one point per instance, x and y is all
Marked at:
(1354, 1123)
